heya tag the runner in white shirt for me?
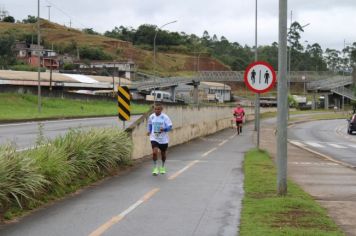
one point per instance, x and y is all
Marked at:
(158, 126)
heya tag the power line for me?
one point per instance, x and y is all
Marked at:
(66, 14)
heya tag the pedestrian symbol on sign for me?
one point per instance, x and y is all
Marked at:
(260, 77)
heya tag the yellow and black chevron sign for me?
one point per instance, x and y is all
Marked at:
(123, 99)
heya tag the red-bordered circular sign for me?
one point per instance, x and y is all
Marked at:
(260, 77)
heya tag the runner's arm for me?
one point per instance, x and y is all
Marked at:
(167, 129)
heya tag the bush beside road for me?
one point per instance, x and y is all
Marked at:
(265, 213)
(52, 169)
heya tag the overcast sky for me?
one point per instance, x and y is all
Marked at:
(331, 21)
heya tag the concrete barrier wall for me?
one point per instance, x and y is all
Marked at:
(188, 123)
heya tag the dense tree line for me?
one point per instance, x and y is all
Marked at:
(303, 58)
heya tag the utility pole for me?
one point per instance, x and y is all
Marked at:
(282, 102)
(49, 12)
(39, 52)
(257, 103)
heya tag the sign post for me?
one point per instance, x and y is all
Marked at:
(123, 99)
(259, 77)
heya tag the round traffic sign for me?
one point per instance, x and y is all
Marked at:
(260, 77)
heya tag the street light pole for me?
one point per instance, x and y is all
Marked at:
(39, 51)
(154, 59)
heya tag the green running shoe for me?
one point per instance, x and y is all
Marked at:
(162, 170)
(155, 171)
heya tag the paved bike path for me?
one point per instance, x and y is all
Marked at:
(200, 195)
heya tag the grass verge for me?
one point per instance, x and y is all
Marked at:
(265, 213)
(16, 107)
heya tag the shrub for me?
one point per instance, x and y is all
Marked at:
(53, 164)
(94, 53)
(20, 180)
(96, 149)
(59, 166)
(26, 68)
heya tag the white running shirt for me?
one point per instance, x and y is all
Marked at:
(158, 122)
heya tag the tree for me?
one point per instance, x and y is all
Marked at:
(90, 31)
(145, 34)
(333, 59)
(9, 19)
(314, 58)
(7, 55)
(30, 20)
(122, 33)
(294, 35)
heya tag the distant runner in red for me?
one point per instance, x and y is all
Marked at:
(239, 114)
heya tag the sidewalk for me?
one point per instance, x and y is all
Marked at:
(330, 184)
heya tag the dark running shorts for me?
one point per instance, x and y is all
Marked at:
(162, 147)
(239, 122)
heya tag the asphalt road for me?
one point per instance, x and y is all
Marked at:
(200, 195)
(327, 137)
(24, 135)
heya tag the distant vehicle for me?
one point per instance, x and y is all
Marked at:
(159, 96)
(351, 124)
(268, 102)
(215, 97)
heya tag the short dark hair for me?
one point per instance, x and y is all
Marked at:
(158, 105)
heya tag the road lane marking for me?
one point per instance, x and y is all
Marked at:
(352, 145)
(208, 152)
(232, 136)
(175, 175)
(114, 220)
(336, 145)
(314, 163)
(313, 144)
(223, 142)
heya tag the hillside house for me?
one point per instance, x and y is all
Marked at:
(29, 55)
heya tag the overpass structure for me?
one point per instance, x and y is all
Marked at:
(315, 82)
(313, 79)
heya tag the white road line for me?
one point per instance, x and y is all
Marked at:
(208, 152)
(114, 220)
(313, 144)
(314, 163)
(223, 142)
(336, 145)
(175, 175)
(352, 145)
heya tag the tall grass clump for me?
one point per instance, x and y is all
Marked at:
(20, 181)
(52, 162)
(55, 168)
(96, 150)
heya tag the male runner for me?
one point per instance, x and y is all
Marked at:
(158, 126)
(239, 114)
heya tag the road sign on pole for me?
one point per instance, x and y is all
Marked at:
(260, 77)
(123, 103)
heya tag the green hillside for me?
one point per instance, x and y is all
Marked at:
(69, 40)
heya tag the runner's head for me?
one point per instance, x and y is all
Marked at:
(158, 109)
